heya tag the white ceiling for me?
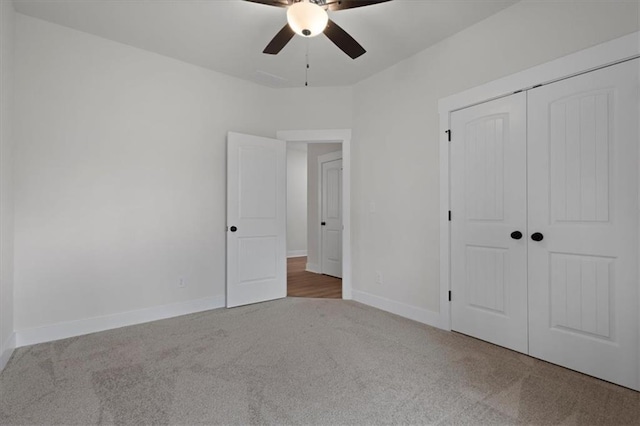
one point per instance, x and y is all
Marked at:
(229, 35)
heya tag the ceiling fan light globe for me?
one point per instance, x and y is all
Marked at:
(307, 19)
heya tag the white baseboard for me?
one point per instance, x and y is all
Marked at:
(312, 267)
(64, 330)
(7, 350)
(422, 315)
(297, 253)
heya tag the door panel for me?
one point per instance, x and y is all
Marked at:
(588, 276)
(579, 152)
(488, 200)
(485, 278)
(332, 218)
(256, 206)
(583, 198)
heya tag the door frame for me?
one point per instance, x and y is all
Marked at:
(342, 136)
(609, 53)
(324, 158)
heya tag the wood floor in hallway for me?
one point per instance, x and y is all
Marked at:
(301, 283)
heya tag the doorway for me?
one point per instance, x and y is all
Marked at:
(257, 209)
(337, 136)
(314, 219)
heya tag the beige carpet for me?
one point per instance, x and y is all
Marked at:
(297, 361)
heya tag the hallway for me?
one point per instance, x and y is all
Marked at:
(301, 283)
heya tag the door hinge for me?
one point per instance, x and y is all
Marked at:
(448, 132)
(449, 295)
(449, 215)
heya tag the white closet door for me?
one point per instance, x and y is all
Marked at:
(583, 199)
(488, 201)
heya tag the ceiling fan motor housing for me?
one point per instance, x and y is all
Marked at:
(307, 19)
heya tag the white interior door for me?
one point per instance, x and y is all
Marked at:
(331, 217)
(256, 219)
(488, 201)
(583, 201)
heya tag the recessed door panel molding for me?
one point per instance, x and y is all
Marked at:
(583, 203)
(486, 271)
(334, 183)
(258, 179)
(581, 289)
(258, 258)
(488, 203)
(579, 135)
(484, 156)
(256, 219)
(333, 245)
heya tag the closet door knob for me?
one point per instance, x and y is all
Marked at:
(233, 229)
(536, 236)
(516, 235)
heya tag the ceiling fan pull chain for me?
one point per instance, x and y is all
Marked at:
(306, 70)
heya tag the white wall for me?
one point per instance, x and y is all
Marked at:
(120, 159)
(296, 199)
(7, 18)
(120, 172)
(396, 133)
(313, 226)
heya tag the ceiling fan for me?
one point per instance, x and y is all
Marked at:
(309, 18)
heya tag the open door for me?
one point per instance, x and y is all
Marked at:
(256, 219)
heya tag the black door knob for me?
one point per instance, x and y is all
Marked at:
(536, 236)
(233, 229)
(516, 235)
(323, 223)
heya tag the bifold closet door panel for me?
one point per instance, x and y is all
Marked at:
(583, 200)
(488, 201)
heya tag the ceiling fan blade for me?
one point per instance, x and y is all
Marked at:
(279, 41)
(350, 4)
(277, 3)
(343, 40)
